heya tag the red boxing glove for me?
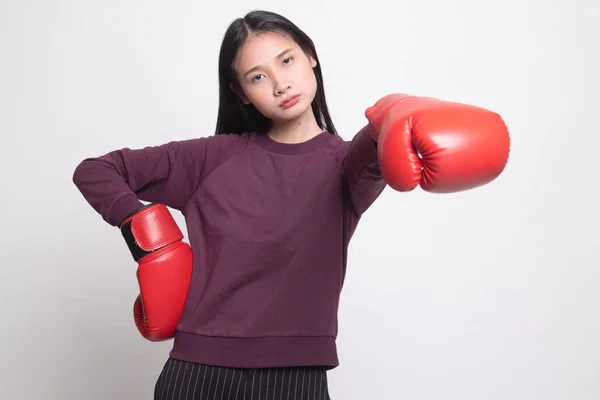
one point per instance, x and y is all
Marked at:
(164, 270)
(443, 146)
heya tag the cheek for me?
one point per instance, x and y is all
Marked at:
(311, 80)
(262, 99)
(255, 94)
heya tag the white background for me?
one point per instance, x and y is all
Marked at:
(488, 294)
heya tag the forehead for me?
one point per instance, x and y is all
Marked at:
(262, 48)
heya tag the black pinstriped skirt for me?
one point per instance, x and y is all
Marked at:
(181, 380)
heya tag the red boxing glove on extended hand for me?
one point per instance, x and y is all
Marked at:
(443, 146)
(164, 270)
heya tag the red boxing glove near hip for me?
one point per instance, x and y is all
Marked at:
(164, 270)
(442, 146)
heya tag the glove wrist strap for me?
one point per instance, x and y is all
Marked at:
(149, 229)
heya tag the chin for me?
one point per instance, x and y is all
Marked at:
(295, 112)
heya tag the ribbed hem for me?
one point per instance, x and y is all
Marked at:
(123, 208)
(263, 352)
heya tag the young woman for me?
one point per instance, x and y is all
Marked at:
(271, 202)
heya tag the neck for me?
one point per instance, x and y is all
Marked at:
(298, 130)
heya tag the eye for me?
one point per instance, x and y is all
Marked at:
(288, 60)
(256, 77)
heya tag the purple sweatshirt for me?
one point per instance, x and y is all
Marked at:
(269, 224)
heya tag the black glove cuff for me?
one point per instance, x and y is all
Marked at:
(136, 251)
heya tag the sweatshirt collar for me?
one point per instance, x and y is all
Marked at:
(292, 148)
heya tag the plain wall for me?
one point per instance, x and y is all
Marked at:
(489, 294)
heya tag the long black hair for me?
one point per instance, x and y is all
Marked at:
(236, 117)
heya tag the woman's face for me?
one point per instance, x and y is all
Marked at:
(276, 76)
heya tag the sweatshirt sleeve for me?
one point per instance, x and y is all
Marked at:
(362, 175)
(115, 183)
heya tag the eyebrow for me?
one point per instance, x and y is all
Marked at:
(278, 56)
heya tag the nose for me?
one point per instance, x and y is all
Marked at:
(281, 86)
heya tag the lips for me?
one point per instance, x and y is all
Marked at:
(289, 101)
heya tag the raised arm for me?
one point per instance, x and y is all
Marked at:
(362, 175)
